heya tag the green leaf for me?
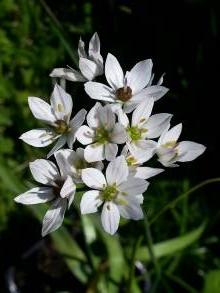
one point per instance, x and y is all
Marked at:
(170, 246)
(212, 282)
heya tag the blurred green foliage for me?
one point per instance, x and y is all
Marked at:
(35, 37)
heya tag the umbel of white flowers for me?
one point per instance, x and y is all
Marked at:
(118, 144)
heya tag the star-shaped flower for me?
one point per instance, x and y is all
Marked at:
(90, 65)
(119, 193)
(57, 117)
(57, 188)
(143, 128)
(170, 151)
(127, 90)
(102, 135)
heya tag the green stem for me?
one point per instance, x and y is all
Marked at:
(132, 267)
(151, 252)
(180, 197)
(182, 283)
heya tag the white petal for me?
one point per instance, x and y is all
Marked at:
(106, 117)
(188, 151)
(88, 68)
(155, 91)
(92, 117)
(111, 150)
(35, 195)
(41, 110)
(81, 49)
(68, 188)
(117, 171)
(113, 72)
(62, 159)
(68, 74)
(122, 117)
(90, 202)
(61, 103)
(94, 45)
(44, 171)
(85, 135)
(78, 119)
(93, 178)
(110, 217)
(58, 145)
(142, 112)
(140, 75)
(156, 124)
(132, 210)
(172, 135)
(147, 172)
(118, 134)
(99, 91)
(133, 186)
(94, 152)
(38, 137)
(129, 106)
(144, 148)
(53, 218)
(160, 81)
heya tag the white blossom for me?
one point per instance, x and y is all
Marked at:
(170, 151)
(144, 127)
(135, 162)
(57, 117)
(74, 162)
(127, 90)
(119, 193)
(56, 187)
(90, 65)
(101, 135)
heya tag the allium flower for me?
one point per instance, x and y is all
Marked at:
(58, 188)
(170, 151)
(127, 90)
(74, 162)
(90, 65)
(102, 135)
(135, 161)
(144, 127)
(119, 193)
(57, 117)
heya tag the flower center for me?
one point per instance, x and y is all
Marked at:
(61, 127)
(131, 161)
(101, 135)
(124, 94)
(109, 193)
(170, 144)
(135, 133)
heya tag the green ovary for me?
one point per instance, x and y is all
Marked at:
(135, 133)
(109, 193)
(102, 135)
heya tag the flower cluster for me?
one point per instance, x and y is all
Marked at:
(119, 134)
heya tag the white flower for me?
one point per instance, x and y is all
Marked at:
(58, 187)
(102, 135)
(119, 194)
(74, 162)
(128, 90)
(57, 117)
(90, 65)
(135, 162)
(170, 151)
(144, 127)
